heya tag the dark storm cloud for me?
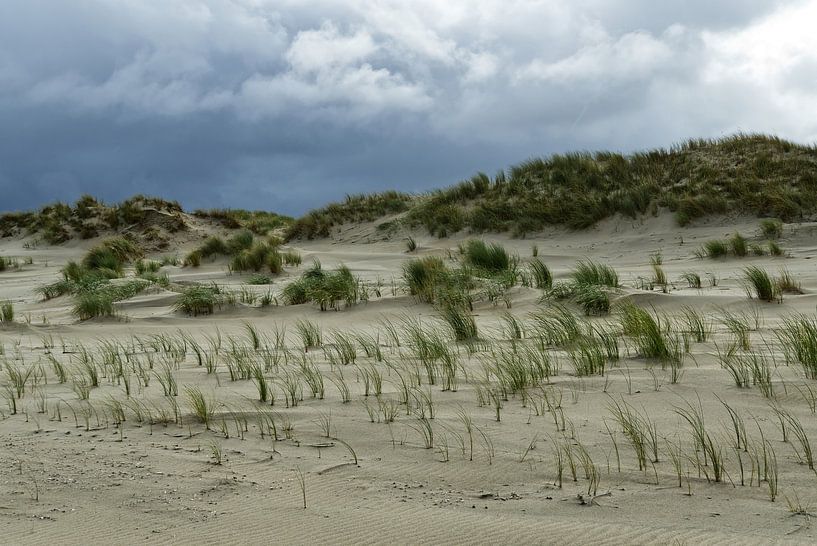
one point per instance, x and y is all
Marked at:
(285, 106)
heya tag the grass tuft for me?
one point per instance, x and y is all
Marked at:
(592, 299)
(6, 312)
(199, 300)
(541, 275)
(758, 283)
(461, 322)
(738, 245)
(490, 258)
(592, 273)
(771, 228)
(714, 249)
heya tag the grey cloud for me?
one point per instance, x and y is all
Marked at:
(285, 106)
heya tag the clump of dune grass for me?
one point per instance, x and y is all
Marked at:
(771, 228)
(588, 357)
(593, 273)
(713, 249)
(310, 334)
(55, 289)
(161, 279)
(295, 293)
(562, 290)
(292, 258)
(242, 240)
(460, 320)
(556, 326)
(787, 284)
(758, 283)
(738, 245)
(640, 431)
(111, 255)
(202, 406)
(257, 257)
(328, 289)
(10, 263)
(93, 304)
(491, 258)
(593, 299)
(259, 279)
(99, 300)
(696, 324)
(424, 276)
(774, 249)
(246, 253)
(692, 279)
(6, 312)
(652, 333)
(100, 264)
(798, 337)
(199, 300)
(659, 277)
(193, 259)
(147, 266)
(540, 274)
(212, 246)
(411, 244)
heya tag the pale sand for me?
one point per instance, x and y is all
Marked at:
(158, 483)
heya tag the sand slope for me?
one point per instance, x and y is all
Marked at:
(71, 474)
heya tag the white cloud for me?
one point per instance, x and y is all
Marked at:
(325, 49)
(633, 55)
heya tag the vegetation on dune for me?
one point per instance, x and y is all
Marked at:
(760, 284)
(487, 271)
(7, 263)
(430, 280)
(771, 228)
(149, 218)
(739, 246)
(257, 257)
(490, 258)
(246, 252)
(592, 299)
(653, 334)
(588, 272)
(257, 221)
(356, 208)
(199, 300)
(589, 288)
(6, 312)
(88, 217)
(744, 173)
(90, 279)
(328, 289)
(424, 276)
(99, 301)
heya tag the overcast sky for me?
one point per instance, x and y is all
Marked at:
(286, 104)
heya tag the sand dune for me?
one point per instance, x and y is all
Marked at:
(73, 473)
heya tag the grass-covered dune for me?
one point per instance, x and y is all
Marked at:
(744, 173)
(149, 218)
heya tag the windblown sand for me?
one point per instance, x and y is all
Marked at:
(70, 474)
